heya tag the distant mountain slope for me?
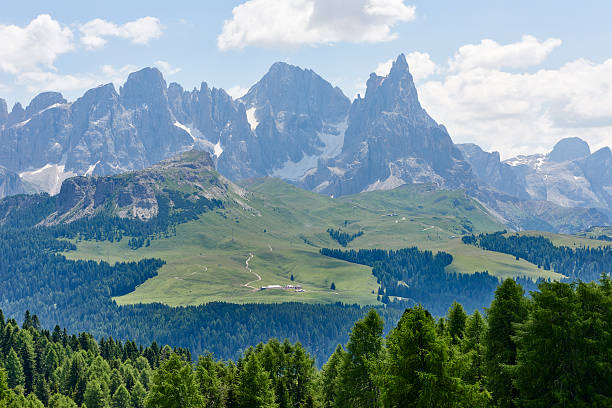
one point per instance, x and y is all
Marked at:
(569, 176)
(175, 184)
(11, 184)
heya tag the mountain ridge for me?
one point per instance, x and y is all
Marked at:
(295, 125)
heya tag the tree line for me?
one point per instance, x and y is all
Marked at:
(342, 237)
(409, 276)
(549, 349)
(583, 263)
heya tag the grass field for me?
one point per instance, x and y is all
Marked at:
(284, 227)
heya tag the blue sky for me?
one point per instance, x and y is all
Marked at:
(513, 76)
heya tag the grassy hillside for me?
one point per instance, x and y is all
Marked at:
(283, 228)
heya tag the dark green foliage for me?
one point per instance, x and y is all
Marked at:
(420, 277)
(457, 319)
(508, 309)
(357, 379)
(564, 348)
(550, 350)
(77, 295)
(586, 264)
(341, 237)
(173, 386)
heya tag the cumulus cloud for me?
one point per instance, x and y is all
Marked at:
(489, 54)
(141, 31)
(166, 68)
(35, 46)
(237, 91)
(292, 23)
(39, 81)
(521, 112)
(420, 64)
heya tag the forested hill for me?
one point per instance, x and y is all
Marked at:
(585, 263)
(552, 349)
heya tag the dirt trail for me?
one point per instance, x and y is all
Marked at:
(248, 284)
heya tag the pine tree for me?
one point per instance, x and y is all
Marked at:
(416, 374)
(564, 348)
(173, 386)
(457, 319)
(473, 346)
(138, 395)
(508, 309)
(61, 401)
(14, 370)
(329, 377)
(94, 396)
(210, 385)
(28, 358)
(356, 385)
(121, 398)
(254, 385)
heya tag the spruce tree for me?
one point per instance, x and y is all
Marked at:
(138, 395)
(121, 398)
(457, 319)
(254, 385)
(329, 377)
(173, 386)
(61, 401)
(416, 372)
(14, 369)
(94, 396)
(508, 309)
(564, 348)
(356, 386)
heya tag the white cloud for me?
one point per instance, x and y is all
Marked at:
(166, 68)
(34, 46)
(291, 23)
(237, 91)
(522, 112)
(141, 31)
(489, 54)
(420, 64)
(36, 82)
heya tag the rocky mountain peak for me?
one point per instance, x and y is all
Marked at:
(570, 148)
(17, 115)
(193, 159)
(3, 112)
(144, 87)
(400, 64)
(42, 101)
(288, 88)
(396, 93)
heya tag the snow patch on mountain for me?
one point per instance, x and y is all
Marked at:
(333, 138)
(252, 118)
(293, 171)
(91, 168)
(185, 128)
(48, 178)
(217, 149)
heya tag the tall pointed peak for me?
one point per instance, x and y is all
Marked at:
(400, 64)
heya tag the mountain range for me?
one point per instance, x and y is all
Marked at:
(295, 125)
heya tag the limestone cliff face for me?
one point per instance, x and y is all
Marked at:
(390, 140)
